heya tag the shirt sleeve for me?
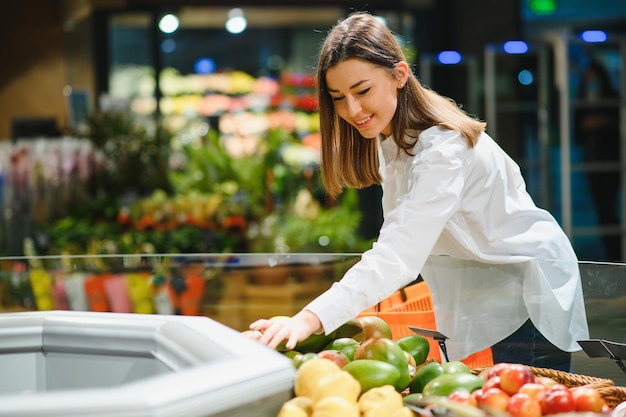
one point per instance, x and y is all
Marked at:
(433, 182)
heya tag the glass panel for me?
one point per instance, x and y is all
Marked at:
(238, 288)
(604, 289)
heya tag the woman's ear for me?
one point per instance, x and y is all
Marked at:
(401, 71)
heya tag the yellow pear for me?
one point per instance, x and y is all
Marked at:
(303, 402)
(296, 407)
(337, 384)
(309, 374)
(335, 407)
(380, 401)
(403, 412)
(291, 410)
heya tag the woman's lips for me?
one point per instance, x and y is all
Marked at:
(361, 123)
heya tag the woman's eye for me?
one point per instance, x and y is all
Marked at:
(337, 98)
(362, 92)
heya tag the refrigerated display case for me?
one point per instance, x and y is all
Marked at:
(75, 363)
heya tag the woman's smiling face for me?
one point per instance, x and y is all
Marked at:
(365, 95)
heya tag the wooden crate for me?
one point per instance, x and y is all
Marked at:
(265, 301)
(234, 284)
(229, 314)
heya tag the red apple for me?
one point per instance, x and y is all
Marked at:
(496, 369)
(494, 398)
(588, 399)
(523, 405)
(493, 382)
(334, 355)
(514, 376)
(483, 374)
(534, 389)
(476, 394)
(558, 399)
(463, 397)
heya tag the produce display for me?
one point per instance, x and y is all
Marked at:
(361, 371)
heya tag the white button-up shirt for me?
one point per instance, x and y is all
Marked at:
(492, 259)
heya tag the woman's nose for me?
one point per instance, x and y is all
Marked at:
(354, 106)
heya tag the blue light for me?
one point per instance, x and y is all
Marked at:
(525, 77)
(515, 47)
(204, 66)
(593, 36)
(449, 57)
(168, 46)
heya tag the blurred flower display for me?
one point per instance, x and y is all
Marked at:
(232, 165)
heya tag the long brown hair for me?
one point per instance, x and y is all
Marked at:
(348, 159)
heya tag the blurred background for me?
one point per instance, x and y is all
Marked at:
(153, 126)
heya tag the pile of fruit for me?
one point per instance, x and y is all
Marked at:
(361, 371)
(515, 389)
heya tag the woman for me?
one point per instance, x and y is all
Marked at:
(455, 211)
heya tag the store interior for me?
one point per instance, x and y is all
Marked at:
(161, 156)
(78, 62)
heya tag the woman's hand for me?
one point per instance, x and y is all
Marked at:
(291, 329)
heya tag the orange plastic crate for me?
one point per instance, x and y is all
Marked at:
(417, 298)
(413, 306)
(400, 321)
(414, 297)
(481, 359)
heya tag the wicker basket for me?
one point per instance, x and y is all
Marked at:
(613, 395)
(620, 408)
(572, 380)
(426, 362)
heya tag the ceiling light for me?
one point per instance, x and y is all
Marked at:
(236, 22)
(168, 23)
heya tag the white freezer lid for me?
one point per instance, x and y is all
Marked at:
(211, 368)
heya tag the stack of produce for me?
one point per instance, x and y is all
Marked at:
(361, 371)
